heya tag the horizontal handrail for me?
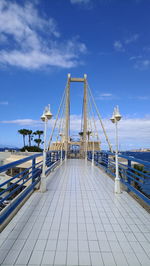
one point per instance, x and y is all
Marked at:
(134, 178)
(18, 162)
(12, 178)
(26, 180)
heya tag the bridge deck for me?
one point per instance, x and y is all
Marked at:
(78, 221)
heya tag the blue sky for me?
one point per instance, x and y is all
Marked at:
(42, 41)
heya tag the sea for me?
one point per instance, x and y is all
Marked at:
(145, 156)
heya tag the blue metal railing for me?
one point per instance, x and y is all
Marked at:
(134, 173)
(17, 187)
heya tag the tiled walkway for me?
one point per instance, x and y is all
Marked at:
(78, 221)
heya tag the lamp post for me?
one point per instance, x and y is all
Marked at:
(93, 149)
(47, 115)
(61, 148)
(116, 117)
(86, 149)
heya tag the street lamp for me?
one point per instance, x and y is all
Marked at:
(86, 149)
(61, 156)
(93, 148)
(116, 117)
(47, 115)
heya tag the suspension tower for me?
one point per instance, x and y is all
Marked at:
(88, 122)
(67, 113)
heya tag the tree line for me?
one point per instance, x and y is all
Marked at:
(28, 137)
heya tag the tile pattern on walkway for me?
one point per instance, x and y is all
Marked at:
(78, 221)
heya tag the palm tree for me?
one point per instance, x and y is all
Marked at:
(30, 136)
(23, 132)
(81, 134)
(38, 142)
(39, 133)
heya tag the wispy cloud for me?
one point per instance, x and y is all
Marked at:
(143, 97)
(140, 97)
(106, 96)
(142, 64)
(33, 41)
(132, 39)
(80, 1)
(118, 46)
(133, 132)
(137, 57)
(23, 122)
(4, 103)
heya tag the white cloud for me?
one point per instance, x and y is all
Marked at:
(132, 58)
(140, 98)
(143, 97)
(119, 46)
(23, 122)
(33, 41)
(142, 64)
(106, 96)
(4, 103)
(132, 39)
(133, 132)
(80, 1)
(36, 59)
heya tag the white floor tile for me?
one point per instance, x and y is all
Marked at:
(72, 258)
(83, 246)
(51, 244)
(108, 259)
(96, 259)
(94, 246)
(40, 244)
(78, 213)
(115, 247)
(132, 259)
(104, 246)
(48, 258)
(23, 257)
(60, 258)
(120, 259)
(62, 245)
(36, 257)
(84, 258)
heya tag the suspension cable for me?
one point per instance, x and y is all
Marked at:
(82, 116)
(60, 122)
(100, 119)
(92, 112)
(61, 103)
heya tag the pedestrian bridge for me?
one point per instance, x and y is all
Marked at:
(79, 220)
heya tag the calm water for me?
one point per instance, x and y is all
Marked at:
(145, 156)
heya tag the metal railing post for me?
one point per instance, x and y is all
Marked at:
(61, 155)
(129, 166)
(106, 161)
(33, 169)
